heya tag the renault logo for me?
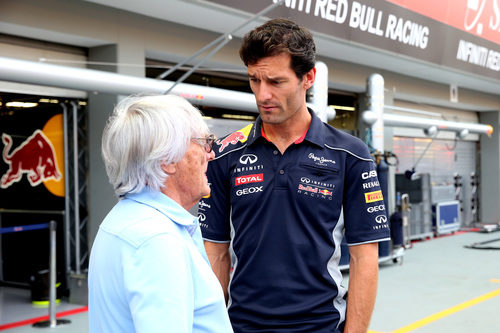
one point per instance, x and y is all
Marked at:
(248, 159)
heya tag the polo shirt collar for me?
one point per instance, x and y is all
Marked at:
(315, 133)
(164, 205)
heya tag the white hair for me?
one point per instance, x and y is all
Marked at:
(144, 133)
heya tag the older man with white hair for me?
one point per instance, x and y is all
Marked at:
(148, 268)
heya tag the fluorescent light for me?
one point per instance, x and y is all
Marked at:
(21, 104)
(343, 107)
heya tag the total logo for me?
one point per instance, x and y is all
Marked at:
(369, 174)
(255, 178)
(248, 159)
(374, 209)
(249, 190)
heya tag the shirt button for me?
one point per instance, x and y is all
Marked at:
(275, 152)
(282, 172)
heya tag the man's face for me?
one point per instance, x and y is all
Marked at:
(278, 92)
(191, 176)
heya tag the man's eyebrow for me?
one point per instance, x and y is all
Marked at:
(270, 78)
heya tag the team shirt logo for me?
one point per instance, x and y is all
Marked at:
(368, 185)
(315, 189)
(248, 159)
(234, 138)
(255, 178)
(249, 190)
(374, 209)
(325, 192)
(320, 160)
(373, 196)
(369, 174)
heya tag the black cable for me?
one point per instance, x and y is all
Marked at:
(478, 246)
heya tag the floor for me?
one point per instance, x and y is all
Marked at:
(440, 285)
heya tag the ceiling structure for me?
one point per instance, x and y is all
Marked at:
(221, 19)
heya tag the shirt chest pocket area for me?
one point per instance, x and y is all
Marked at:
(319, 178)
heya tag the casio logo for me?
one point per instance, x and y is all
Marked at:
(381, 219)
(366, 175)
(248, 159)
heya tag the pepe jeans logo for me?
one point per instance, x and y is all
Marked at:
(320, 159)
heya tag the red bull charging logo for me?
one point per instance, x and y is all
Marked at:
(234, 138)
(35, 157)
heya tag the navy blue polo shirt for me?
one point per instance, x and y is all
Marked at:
(285, 216)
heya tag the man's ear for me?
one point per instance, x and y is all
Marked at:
(309, 78)
(170, 168)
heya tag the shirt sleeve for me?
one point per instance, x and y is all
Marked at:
(159, 286)
(364, 210)
(214, 211)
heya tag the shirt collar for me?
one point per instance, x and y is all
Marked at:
(315, 133)
(164, 205)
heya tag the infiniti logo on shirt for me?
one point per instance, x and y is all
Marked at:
(248, 159)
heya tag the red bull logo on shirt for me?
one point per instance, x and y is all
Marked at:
(373, 196)
(34, 157)
(234, 138)
(325, 192)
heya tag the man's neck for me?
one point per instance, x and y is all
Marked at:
(285, 134)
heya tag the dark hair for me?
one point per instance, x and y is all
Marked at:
(280, 36)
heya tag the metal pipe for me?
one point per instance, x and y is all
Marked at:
(425, 123)
(105, 82)
(224, 39)
(52, 275)
(76, 199)
(398, 108)
(195, 67)
(375, 95)
(319, 94)
(67, 235)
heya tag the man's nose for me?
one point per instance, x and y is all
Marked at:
(264, 92)
(210, 156)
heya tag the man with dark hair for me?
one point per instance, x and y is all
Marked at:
(285, 189)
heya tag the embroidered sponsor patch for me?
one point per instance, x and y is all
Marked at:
(373, 196)
(255, 178)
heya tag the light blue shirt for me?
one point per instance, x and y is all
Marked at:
(149, 271)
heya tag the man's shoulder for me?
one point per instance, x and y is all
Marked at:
(136, 223)
(336, 139)
(233, 141)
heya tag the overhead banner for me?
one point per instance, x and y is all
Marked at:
(462, 34)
